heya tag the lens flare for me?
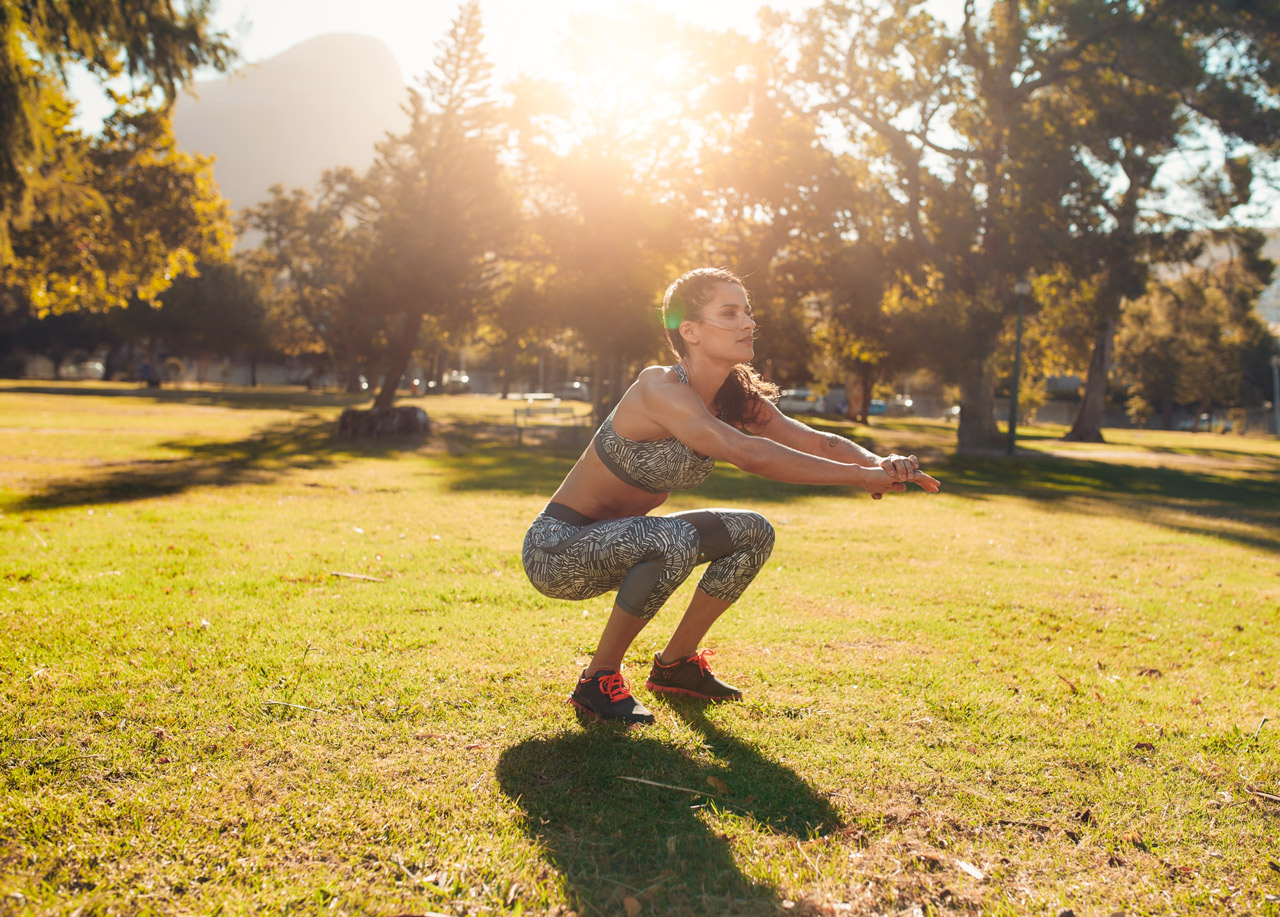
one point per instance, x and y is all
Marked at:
(674, 316)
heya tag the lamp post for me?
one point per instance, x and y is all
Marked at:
(1275, 391)
(1020, 289)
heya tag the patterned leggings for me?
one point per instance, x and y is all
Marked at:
(568, 556)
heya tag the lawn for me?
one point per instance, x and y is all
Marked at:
(246, 668)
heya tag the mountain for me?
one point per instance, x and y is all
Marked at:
(319, 105)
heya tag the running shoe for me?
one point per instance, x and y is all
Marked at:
(691, 677)
(606, 695)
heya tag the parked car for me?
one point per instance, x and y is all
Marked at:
(799, 401)
(572, 391)
(878, 407)
(456, 382)
(901, 406)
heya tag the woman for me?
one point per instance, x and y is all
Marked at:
(665, 434)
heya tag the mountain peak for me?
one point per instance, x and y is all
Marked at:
(320, 104)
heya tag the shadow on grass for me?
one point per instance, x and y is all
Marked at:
(1241, 507)
(241, 399)
(611, 839)
(257, 459)
(532, 472)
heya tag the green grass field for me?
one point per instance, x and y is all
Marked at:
(248, 669)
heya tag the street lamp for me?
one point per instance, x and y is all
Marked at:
(1020, 289)
(1275, 391)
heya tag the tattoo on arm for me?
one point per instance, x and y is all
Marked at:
(832, 441)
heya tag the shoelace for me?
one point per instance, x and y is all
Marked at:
(615, 686)
(701, 659)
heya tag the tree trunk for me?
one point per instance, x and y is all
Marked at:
(1088, 423)
(865, 388)
(351, 378)
(116, 355)
(1166, 413)
(977, 427)
(617, 385)
(153, 375)
(398, 360)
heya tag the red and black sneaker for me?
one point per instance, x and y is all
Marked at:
(691, 677)
(606, 695)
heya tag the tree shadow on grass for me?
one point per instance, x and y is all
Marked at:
(611, 838)
(257, 459)
(238, 398)
(1240, 507)
(1243, 508)
(532, 472)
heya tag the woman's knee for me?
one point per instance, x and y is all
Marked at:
(672, 542)
(751, 532)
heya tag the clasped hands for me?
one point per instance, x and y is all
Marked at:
(904, 468)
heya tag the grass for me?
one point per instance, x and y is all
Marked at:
(1051, 686)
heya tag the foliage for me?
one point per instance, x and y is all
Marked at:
(55, 184)
(1198, 339)
(217, 311)
(605, 160)
(366, 265)
(1028, 132)
(307, 263)
(134, 214)
(437, 203)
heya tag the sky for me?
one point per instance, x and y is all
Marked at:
(520, 35)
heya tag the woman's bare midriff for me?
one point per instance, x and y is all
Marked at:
(592, 489)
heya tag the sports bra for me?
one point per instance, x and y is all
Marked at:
(656, 467)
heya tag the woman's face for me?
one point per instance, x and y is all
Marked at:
(725, 326)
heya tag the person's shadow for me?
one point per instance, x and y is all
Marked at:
(612, 838)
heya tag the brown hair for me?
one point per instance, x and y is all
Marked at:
(743, 391)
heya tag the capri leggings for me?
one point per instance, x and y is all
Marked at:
(568, 556)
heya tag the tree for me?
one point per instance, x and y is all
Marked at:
(1198, 339)
(597, 159)
(157, 44)
(309, 264)
(437, 204)
(968, 152)
(219, 312)
(1174, 70)
(978, 129)
(138, 213)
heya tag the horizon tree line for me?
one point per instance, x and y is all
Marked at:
(881, 180)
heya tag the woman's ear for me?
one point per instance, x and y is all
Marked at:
(689, 331)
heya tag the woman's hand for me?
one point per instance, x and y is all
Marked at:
(899, 469)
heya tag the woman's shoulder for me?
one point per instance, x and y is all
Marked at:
(657, 375)
(655, 380)
(656, 389)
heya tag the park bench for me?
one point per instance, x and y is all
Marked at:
(543, 414)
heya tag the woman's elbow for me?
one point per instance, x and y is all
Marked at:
(749, 459)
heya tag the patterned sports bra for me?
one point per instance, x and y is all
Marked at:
(656, 467)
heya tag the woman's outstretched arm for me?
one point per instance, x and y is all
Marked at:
(686, 417)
